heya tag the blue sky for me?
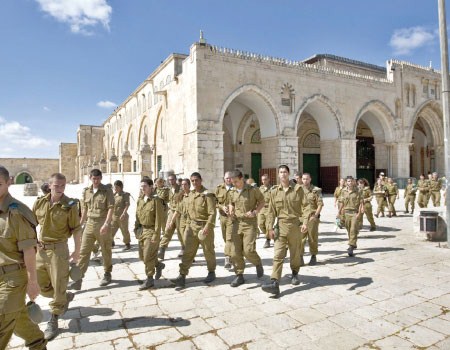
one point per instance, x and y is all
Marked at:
(69, 62)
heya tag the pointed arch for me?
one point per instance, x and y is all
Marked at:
(431, 112)
(382, 126)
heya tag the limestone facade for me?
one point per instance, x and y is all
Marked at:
(28, 170)
(217, 109)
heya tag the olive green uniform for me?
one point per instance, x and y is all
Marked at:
(410, 197)
(262, 216)
(312, 199)
(121, 201)
(380, 195)
(58, 221)
(435, 191)
(97, 206)
(226, 224)
(17, 232)
(367, 199)
(392, 191)
(201, 210)
(174, 193)
(183, 215)
(286, 206)
(423, 187)
(245, 229)
(163, 193)
(149, 219)
(351, 202)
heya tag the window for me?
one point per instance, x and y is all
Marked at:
(134, 166)
(158, 164)
(149, 100)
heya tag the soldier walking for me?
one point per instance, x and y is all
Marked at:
(410, 196)
(262, 216)
(226, 224)
(181, 214)
(366, 193)
(120, 215)
(423, 187)
(392, 191)
(435, 189)
(163, 193)
(379, 191)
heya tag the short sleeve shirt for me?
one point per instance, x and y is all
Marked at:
(97, 204)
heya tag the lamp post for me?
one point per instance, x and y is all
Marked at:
(445, 107)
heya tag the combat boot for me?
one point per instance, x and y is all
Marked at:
(227, 263)
(273, 287)
(259, 271)
(52, 330)
(295, 280)
(106, 279)
(350, 250)
(127, 247)
(161, 253)
(148, 283)
(211, 277)
(267, 244)
(373, 228)
(159, 269)
(313, 260)
(180, 281)
(75, 285)
(412, 211)
(238, 281)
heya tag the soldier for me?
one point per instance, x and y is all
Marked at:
(201, 209)
(298, 178)
(262, 216)
(226, 225)
(392, 191)
(120, 215)
(98, 206)
(424, 187)
(18, 241)
(337, 191)
(149, 218)
(284, 212)
(379, 191)
(364, 187)
(430, 177)
(163, 193)
(169, 229)
(181, 210)
(410, 196)
(435, 189)
(351, 209)
(45, 188)
(311, 207)
(58, 218)
(246, 202)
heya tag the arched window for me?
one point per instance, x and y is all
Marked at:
(168, 79)
(143, 103)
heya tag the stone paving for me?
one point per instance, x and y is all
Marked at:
(394, 294)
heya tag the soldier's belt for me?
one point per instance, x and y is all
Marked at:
(350, 211)
(289, 220)
(51, 246)
(9, 268)
(151, 227)
(198, 222)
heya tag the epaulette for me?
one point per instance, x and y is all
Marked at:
(71, 202)
(20, 208)
(317, 189)
(273, 187)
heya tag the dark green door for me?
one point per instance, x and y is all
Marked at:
(256, 165)
(24, 178)
(311, 164)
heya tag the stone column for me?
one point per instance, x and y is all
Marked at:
(400, 159)
(288, 152)
(439, 160)
(126, 162)
(381, 156)
(210, 156)
(347, 153)
(146, 160)
(103, 165)
(113, 161)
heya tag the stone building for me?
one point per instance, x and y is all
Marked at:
(217, 109)
(28, 170)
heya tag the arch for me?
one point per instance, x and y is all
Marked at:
(23, 177)
(324, 113)
(251, 96)
(382, 126)
(155, 136)
(119, 144)
(129, 132)
(431, 112)
(141, 129)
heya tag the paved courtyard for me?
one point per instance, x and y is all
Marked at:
(394, 294)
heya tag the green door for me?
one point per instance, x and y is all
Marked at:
(311, 164)
(256, 165)
(24, 178)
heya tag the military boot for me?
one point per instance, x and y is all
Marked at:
(238, 281)
(159, 269)
(373, 228)
(106, 279)
(267, 244)
(211, 277)
(350, 250)
(273, 287)
(295, 279)
(75, 285)
(412, 211)
(161, 253)
(52, 328)
(227, 263)
(259, 271)
(180, 281)
(148, 283)
(313, 260)
(127, 247)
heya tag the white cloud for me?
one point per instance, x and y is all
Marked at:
(45, 108)
(405, 40)
(19, 137)
(81, 15)
(106, 104)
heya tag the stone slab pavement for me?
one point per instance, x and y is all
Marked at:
(394, 294)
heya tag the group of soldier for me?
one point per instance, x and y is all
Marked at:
(287, 214)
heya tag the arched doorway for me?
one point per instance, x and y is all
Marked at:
(309, 148)
(365, 153)
(23, 178)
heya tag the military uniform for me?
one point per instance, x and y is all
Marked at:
(312, 199)
(96, 205)
(226, 224)
(337, 193)
(380, 195)
(410, 197)
(435, 191)
(367, 199)
(201, 210)
(17, 232)
(262, 216)
(173, 202)
(351, 201)
(245, 229)
(121, 201)
(149, 218)
(424, 187)
(164, 193)
(181, 209)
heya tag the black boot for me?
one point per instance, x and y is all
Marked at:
(161, 253)
(350, 250)
(267, 244)
(75, 285)
(159, 269)
(106, 279)
(237, 281)
(313, 260)
(127, 247)
(52, 330)
(272, 287)
(295, 280)
(211, 277)
(259, 271)
(180, 281)
(148, 283)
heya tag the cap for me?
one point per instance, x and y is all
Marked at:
(35, 312)
(75, 273)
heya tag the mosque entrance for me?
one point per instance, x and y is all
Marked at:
(23, 178)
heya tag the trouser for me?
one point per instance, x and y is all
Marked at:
(312, 235)
(369, 215)
(427, 199)
(436, 198)
(148, 250)
(90, 235)
(243, 239)
(352, 227)
(226, 226)
(169, 233)
(422, 199)
(116, 223)
(262, 223)
(164, 222)
(13, 313)
(289, 238)
(409, 201)
(380, 204)
(392, 198)
(191, 246)
(52, 267)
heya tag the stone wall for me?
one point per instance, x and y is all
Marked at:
(39, 169)
(67, 164)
